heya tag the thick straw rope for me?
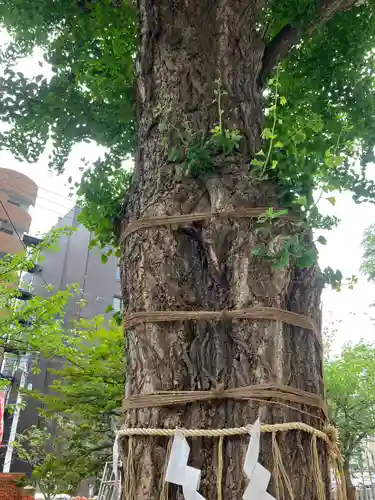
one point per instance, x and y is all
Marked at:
(260, 392)
(257, 312)
(167, 220)
(282, 481)
(234, 431)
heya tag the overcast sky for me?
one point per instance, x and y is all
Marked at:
(351, 308)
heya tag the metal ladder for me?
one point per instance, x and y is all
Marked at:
(107, 483)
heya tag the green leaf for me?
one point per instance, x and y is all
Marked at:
(36, 370)
(322, 240)
(267, 134)
(216, 131)
(299, 136)
(282, 262)
(283, 100)
(256, 251)
(307, 259)
(332, 200)
(301, 200)
(175, 154)
(280, 213)
(257, 163)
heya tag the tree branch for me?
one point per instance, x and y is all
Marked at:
(290, 35)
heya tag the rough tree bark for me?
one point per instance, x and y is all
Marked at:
(185, 47)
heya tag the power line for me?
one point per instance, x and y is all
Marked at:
(49, 200)
(18, 189)
(2, 171)
(61, 215)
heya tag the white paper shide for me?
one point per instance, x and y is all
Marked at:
(178, 472)
(259, 477)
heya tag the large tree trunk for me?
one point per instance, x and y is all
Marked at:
(185, 47)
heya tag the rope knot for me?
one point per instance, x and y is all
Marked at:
(219, 389)
(333, 436)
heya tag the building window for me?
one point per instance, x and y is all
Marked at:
(117, 303)
(6, 227)
(5, 230)
(118, 277)
(18, 201)
(14, 203)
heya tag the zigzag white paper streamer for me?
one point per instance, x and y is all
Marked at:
(178, 472)
(259, 477)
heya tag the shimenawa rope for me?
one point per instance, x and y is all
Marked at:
(258, 392)
(256, 312)
(280, 476)
(168, 220)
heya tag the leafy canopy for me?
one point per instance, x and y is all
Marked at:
(324, 96)
(350, 390)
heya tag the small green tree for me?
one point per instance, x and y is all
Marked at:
(87, 357)
(31, 448)
(368, 260)
(81, 409)
(85, 397)
(32, 317)
(350, 388)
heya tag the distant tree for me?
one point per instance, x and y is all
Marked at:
(368, 259)
(350, 389)
(87, 355)
(21, 320)
(84, 400)
(31, 448)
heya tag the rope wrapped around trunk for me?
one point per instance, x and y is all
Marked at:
(282, 482)
(168, 220)
(268, 393)
(259, 392)
(256, 312)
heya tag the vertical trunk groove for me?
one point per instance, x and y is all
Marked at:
(185, 47)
